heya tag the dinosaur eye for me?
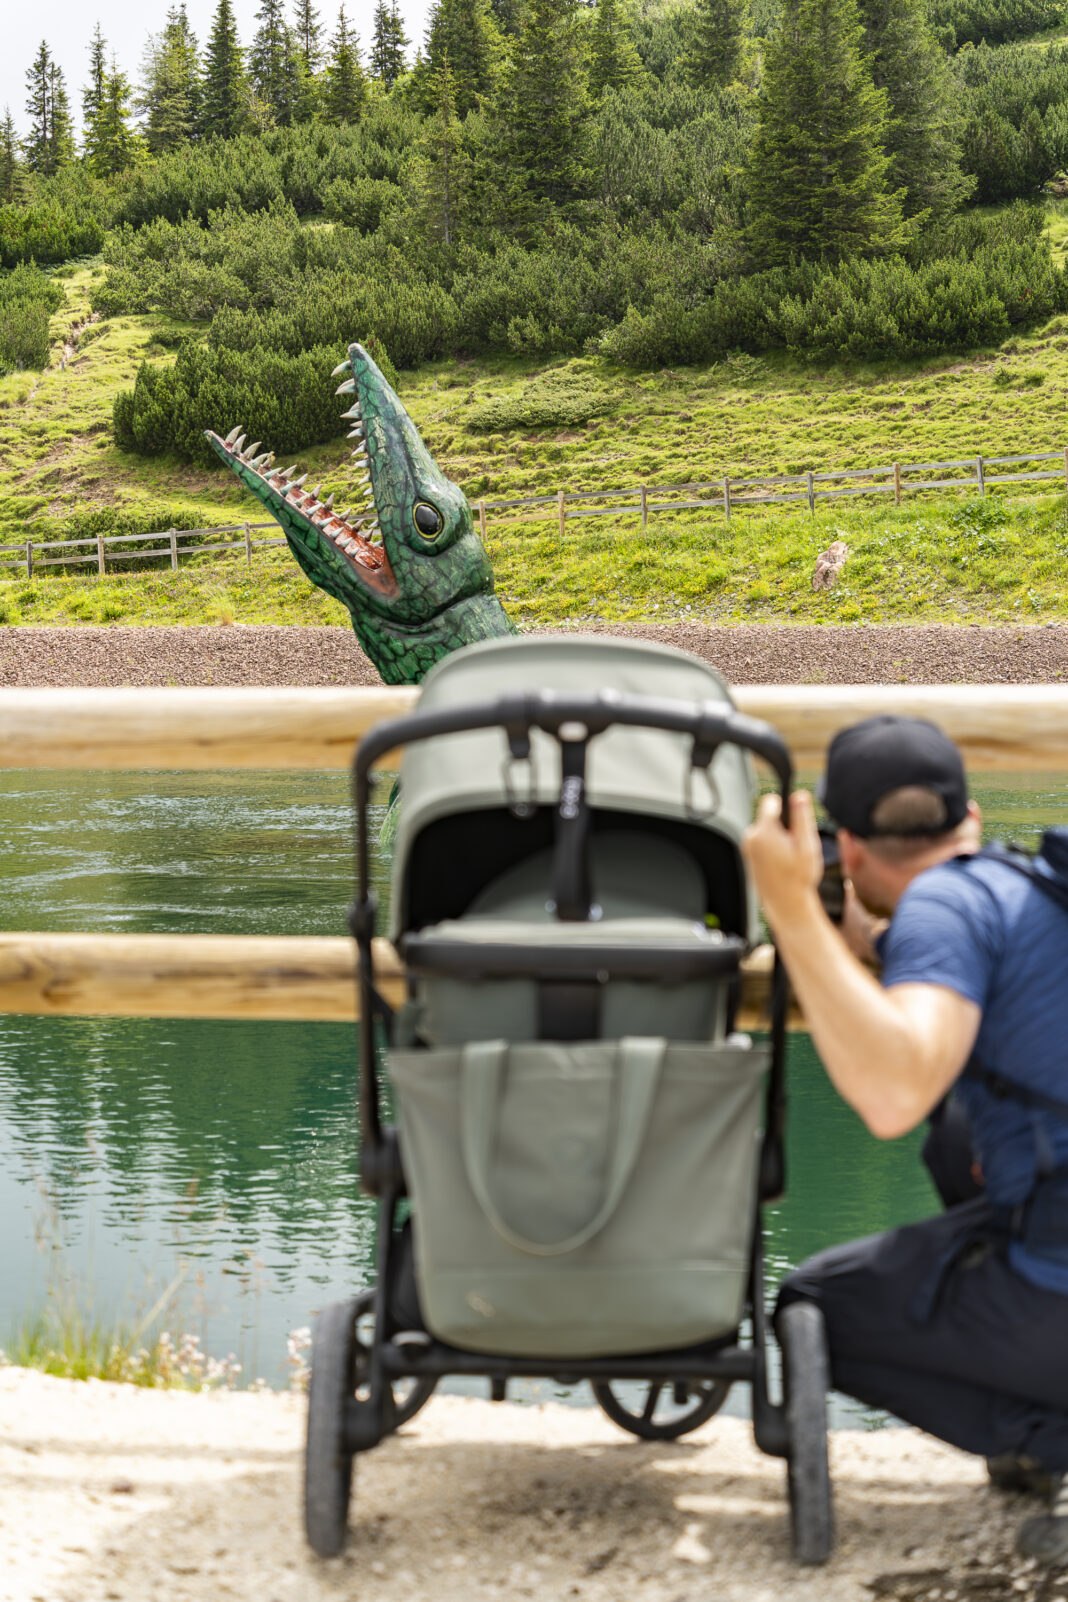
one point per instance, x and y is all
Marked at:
(428, 521)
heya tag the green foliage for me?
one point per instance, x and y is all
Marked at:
(110, 142)
(288, 400)
(546, 104)
(388, 43)
(344, 92)
(544, 405)
(817, 178)
(1016, 126)
(50, 144)
(720, 42)
(958, 22)
(224, 102)
(463, 37)
(172, 92)
(27, 300)
(614, 61)
(48, 231)
(923, 130)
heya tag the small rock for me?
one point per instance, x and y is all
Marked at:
(121, 1487)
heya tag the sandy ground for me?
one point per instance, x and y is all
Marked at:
(112, 1494)
(803, 654)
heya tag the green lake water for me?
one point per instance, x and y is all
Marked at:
(135, 1151)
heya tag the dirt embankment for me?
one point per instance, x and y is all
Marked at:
(113, 1494)
(805, 654)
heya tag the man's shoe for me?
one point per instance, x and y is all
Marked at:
(1046, 1538)
(1010, 1472)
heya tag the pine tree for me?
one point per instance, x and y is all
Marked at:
(309, 32)
(613, 59)
(10, 166)
(719, 42)
(268, 60)
(508, 14)
(345, 88)
(93, 93)
(923, 133)
(171, 92)
(817, 174)
(443, 159)
(463, 38)
(50, 144)
(388, 43)
(61, 130)
(224, 97)
(111, 145)
(545, 102)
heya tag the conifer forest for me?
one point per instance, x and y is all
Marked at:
(657, 182)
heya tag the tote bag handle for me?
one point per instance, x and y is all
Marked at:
(481, 1084)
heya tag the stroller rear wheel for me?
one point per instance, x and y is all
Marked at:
(806, 1380)
(664, 1410)
(327, 1458)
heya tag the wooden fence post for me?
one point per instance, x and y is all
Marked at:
(727, 498)
(563, 515)
(174, 550)
(29, 559)
(248, 546)
(482, 518)
(645, 502)
(979, 475)
(897, 484)
(811, 495)
(101, 569)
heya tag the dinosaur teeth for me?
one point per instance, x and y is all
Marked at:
(303, 479)
(342, 367)
(347, 388)
(353, 411)
(288, 472)
(239, 447)
(253, 449)
(356, 433)
(263, 461)
(328, 504)
(234, 432)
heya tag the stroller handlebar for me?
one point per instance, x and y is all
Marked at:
(709, 723)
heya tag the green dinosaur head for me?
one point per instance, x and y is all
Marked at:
(406, 561)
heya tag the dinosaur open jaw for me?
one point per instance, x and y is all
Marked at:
(355, 535)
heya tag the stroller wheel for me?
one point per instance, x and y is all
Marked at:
(663, 1410)
(409, 1395)
(806, 1380)
(327, 1458)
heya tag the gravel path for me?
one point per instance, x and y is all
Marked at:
(804, 654)
(113, 1494)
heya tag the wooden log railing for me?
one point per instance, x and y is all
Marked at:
(309, 978)
(1006, 728)
(1009, 728)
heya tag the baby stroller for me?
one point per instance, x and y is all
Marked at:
(585, 1140)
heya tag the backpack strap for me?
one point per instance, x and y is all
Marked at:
(1055, 888)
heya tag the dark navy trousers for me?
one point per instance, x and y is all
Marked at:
(936, 1328)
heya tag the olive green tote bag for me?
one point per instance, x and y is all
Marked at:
(581, 1200)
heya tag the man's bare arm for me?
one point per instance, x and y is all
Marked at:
(892, 1054)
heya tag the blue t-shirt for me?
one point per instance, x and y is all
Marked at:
(981, 929)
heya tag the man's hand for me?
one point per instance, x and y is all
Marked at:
(787, 864)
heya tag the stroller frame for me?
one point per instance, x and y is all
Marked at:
(353, 1403)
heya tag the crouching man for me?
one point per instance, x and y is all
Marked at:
(958, 1324)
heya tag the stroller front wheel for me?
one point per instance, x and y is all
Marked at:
(806, 1381)
(327, 1457)
(663, 1410)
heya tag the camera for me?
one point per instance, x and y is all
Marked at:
(832, 885)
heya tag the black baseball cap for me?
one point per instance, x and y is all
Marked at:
(868, 760)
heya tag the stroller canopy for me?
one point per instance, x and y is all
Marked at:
(459, 828)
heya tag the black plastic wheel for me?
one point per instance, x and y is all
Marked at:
(806, 1380)
(668, 1408)
(327, 1460)
(409, 1395)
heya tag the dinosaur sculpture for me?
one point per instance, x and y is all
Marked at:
(407, 564)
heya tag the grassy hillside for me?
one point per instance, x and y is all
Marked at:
(598, 427)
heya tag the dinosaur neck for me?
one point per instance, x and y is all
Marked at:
(405, 655)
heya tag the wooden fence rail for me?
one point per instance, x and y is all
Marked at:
(729, 495)
(308, 978)
(1009, 728)
(726, 495)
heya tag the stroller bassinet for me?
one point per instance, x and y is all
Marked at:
(584, 1137)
